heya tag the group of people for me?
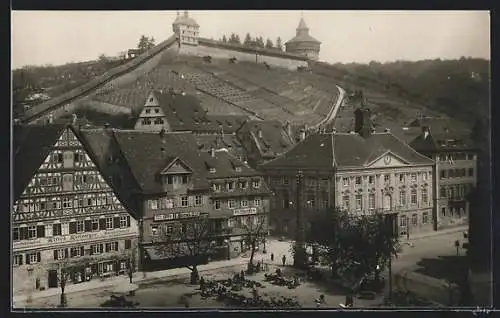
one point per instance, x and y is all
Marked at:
(283, 259)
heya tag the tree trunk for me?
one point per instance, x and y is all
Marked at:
(63, 302)
(194, 275)
(130, 277)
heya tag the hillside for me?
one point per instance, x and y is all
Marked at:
(395, 91)
(457, 88)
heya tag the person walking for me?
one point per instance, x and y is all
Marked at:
(272, 257)
(283, 260)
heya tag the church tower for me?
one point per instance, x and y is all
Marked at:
(303, 43)
(186, 29)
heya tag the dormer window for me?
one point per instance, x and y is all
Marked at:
(148, 110)
(212, 170)
(256, 184)
(230, 186)
(243, 185)
(238, 169)
(151, 99)
(157, 110)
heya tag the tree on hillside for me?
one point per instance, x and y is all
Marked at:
(269, 44)
(279, 45)
(145, 43)
(248, 40)
(189, 238)
(353, 245)
(234, 39)
(103, 59)
(224, 39)
(255, 228)
(259, 42)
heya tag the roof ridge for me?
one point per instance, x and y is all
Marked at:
(408, 146)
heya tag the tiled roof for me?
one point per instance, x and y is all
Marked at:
(303, 38)
(148, 153)
(225, 166)
(218, 141)
(442, 142)
(185, 113)
(31, 145)
(324, 151)
(104, 150)
(272, 140)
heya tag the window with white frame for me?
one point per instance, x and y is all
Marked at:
(402, 198)
(256, 202)
(184, 201)
(80, 226)
(32, 257)
(123, 221)
(413, 199)
(109, 223)
(66, 202)
(359, 202)
(256, 184)
(244, 203)
(425, 198)
(371, 201)
(32, 231)
(230, 185)
(231, 204)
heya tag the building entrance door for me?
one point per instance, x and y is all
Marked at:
(52, 279)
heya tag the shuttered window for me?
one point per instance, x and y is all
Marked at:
(88, 226)
(116, 222)
(102, 224)
(40, 231)
(72, 227)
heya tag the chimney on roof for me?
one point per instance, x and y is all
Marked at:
(51, 118)
(260, 133)
(212, 152)
(426, 131)
(288, 128)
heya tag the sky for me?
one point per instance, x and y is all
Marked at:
(58, 37)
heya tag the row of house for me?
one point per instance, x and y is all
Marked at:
(94, 198)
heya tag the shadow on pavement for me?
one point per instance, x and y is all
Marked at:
(449, 268)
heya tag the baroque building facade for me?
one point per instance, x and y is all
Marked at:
(65, 215)
(364, 173)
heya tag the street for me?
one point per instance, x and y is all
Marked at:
(165, 292)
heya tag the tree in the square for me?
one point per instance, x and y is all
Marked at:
(255, 230)
(63, 268)
(189, 238)
(354, 245)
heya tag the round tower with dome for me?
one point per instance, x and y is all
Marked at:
(186, 29)
(303, 43)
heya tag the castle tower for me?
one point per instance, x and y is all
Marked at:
(186, 29)
(303, 43)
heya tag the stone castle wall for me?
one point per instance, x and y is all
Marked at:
(223, 53)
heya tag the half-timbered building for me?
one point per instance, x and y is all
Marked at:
(64, 215)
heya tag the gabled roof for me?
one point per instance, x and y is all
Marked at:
(219, 141)
(104, 150)
(31, 145)
(340, 150)
(269, 136)
(185, 113)
(148, 153)
(171, 169)
(442, 142)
